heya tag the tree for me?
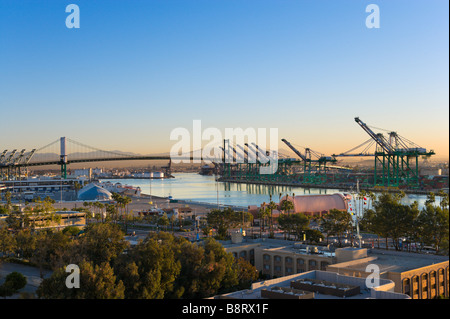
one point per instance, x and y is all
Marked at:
(71, 231)
(52, 249)
(96, 282)
(102, 242)
(431, 198)
(121, 205)
(263, 213)
(164, 221)
(296, 224)
(149, 269)
(99, 208)
(77, 187)
(125, 201)
(3, 210)
(111, 211)
(8, 201)
(223, 220)
(285, 224)
(271, 207)
(368, 223)
(314, 235)
(287, 206)
(191, 258)
(7, 240)
(99, 282)
(13, 283)
(337, 222)
(443, 199)
(300, 224)
(247, 273)
(435, 222)
(218, 273)
(25, 243)
(390, 218)
(206, 230)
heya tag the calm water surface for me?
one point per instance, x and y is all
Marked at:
(199, 188)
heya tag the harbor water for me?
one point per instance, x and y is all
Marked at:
(205, 189)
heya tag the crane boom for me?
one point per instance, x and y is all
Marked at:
(30, 155)
(11, 155)
(228, 154)
(3, 155)
(294, 149)
(261, 152)
(379, 138)
(236, 154)
(245, 152)
(17, 159)
(253, 150)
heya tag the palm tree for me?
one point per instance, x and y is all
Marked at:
(266, 216)
(111, 210)
(77, 187)
(124, 201)
(117, 198)
(271, 207)
(87, 206)
(287, 205)
(263, 213)
(100, 207)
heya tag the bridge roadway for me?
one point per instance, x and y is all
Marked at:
(105, 159)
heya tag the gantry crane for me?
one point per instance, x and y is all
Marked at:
(13, 162)
(318, 176)
(393, 158)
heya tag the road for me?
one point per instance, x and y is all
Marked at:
(31, 273)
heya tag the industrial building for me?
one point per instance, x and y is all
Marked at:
(420, 276)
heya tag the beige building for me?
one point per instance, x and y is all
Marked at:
(278, 258)
(60, 220)
(421, 276)
(317, 284)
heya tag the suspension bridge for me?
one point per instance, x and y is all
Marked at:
(62, 152)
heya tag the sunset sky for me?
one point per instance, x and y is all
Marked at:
(135, 70)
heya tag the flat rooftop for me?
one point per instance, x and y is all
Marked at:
(387, 260)
(395, 261)
(285, 282)
(281, 246)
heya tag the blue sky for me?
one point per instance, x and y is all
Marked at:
(135, 70)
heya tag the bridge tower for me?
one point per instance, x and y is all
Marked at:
(63, 158)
